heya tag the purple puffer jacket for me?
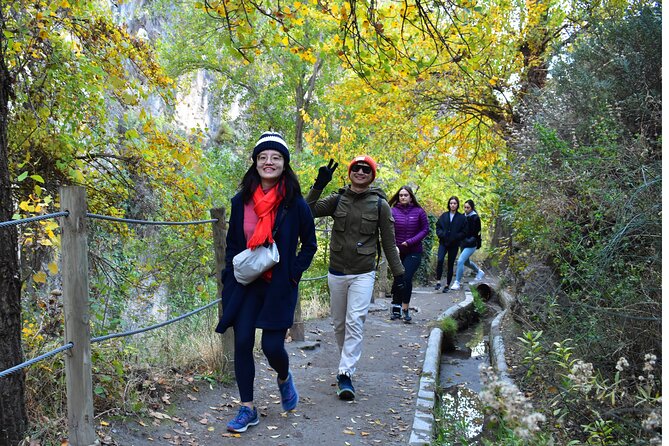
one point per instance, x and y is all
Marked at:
(411, 226)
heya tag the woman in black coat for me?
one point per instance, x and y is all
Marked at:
(450, 230)
(270, 200)
(469, 244)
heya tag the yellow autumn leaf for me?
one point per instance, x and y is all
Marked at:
(77, 176)
(53, 268)
(40, 277)
(284, 41)
(103, 423)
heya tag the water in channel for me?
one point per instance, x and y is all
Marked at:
(459, 409)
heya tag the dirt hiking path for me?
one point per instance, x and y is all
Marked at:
(386, 383)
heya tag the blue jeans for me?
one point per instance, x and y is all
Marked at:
(463, 261)
(411, 263)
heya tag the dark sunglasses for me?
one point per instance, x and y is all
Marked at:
(358, 167)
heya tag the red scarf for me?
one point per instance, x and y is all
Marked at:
(265, 205)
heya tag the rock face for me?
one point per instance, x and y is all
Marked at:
(537, 286)
(538, 280)
(194, 107)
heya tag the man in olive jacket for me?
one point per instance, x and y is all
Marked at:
(360, 212)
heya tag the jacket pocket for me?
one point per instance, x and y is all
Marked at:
(369, 223)
(469, 242)
(366, 250)
(339, 223)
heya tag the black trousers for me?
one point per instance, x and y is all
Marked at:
(452, 252)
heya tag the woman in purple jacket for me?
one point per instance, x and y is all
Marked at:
(411, 227)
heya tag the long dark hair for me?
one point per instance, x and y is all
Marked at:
(251, 180)
(471, 204)
(396, 198)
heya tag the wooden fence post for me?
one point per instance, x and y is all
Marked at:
(74, 264)
(219, 229)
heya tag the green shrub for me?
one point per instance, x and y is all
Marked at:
(449, 327)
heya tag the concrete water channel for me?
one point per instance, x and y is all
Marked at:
(458, 410)
(451, 380)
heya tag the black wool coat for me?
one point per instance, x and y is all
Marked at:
(450, 233)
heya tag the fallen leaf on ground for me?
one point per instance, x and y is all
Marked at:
(159, 415)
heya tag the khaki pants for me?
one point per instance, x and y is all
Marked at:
(350, 297)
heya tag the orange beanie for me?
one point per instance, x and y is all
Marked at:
(364, 159)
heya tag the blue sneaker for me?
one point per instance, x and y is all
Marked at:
(245, 417)
(345, 389)
(289, 395)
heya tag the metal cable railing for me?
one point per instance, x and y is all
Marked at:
(69, 345)
(35, 218)
(152, 327)
(313, 278)
(149, 222)
(25, 364)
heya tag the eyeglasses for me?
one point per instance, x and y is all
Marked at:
(358, 167)
(264, 159)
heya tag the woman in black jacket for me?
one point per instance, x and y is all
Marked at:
(450, 232)
(469, 244)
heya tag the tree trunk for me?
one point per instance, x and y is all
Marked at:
(13, 418)
(303, 98)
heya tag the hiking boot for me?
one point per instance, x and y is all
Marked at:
(245, 417)
(456, 285)
(437, 286)
(345, 389)
(395, 312)
(406, 316)
(289, 395)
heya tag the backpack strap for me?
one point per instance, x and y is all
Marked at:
(378, 241)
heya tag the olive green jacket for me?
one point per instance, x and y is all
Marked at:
(358, 220)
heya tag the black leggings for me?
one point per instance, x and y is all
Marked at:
(272, 343)
(411, 262)
(452, 255)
